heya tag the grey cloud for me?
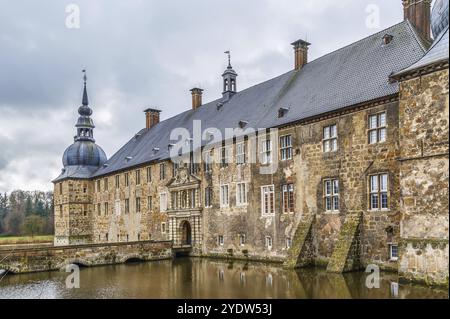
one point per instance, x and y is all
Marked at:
(140, 54)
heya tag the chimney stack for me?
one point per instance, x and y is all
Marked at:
(196, 98)
(151, 117)
(418, 12)
(301, 53)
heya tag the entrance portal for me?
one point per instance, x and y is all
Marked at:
(186, 236)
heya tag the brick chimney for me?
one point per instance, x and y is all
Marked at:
(301, 53)
(418, 12)
(196, 98)
(151, 117)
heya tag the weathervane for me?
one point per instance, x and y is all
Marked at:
(229, 58)
(84, 76)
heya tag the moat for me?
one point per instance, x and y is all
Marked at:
(187, 278)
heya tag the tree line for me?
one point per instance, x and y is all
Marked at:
(26, 213)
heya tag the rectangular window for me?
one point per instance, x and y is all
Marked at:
(99, 209)
(393, 252)
(138, 205)
(242, 240)
(288, 243)
(241, 194)
(127, 179)
(288, 198)
(163, 202)
(60, 188)
(149, 202)
(162, 171)
(106, 208)
(268, 200)
(208, 158)
(286, 147)
(377, 128)
(117, 181)
(105, 183)
(149, 174)
(98, 186)
(60, 211)
(224, 196)
(240, 153)
(330, 139)
(379, 192)
(266, 152)
(138, 177)
(220, 241)
(163, 228)
(127, 206)
(224, 156)
(331, 195)
(268, 242)
(208, 196)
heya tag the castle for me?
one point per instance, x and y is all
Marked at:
(351, 167)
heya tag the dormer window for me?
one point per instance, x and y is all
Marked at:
(242, 124)
(155, 150)
(282, 111)
(128, 158)
(387, 38)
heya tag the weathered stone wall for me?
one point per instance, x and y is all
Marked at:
(23, 260)
(424, 122)
(116, 225)
(73, 212)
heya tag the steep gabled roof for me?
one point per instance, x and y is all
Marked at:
(354, 74)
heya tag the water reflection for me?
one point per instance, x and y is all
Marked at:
(203, 278)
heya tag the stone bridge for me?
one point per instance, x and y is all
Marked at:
(24, 260)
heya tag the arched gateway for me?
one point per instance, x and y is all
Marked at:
(186, 234)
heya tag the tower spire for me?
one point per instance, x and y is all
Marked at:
(85, 125)
(85, 96)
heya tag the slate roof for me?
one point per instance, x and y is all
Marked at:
(354, 74)
(438, 52)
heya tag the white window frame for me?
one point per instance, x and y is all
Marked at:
(163, 202)
(332, 195)
(330, 139)
(241, 153)
(266, 151)
(208, 199)
(269, 243)
(225, 156)
(224, 204)
(286, 190)
(391, 257)
(286, 147)
(377, 128)
(379, 189)
(241, 194)
(220, 240)
(288, 242)
(267, 189)
(208, 159)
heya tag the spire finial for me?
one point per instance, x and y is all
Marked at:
(229, 58)
(85, 96)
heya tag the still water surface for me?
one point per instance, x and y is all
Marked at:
(205, 278)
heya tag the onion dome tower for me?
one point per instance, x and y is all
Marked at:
(439, 17)
(84, 151)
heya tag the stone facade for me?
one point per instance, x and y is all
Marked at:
(424, 144)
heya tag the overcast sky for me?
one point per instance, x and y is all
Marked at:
(141, 54)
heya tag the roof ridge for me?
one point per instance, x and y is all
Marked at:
(418, 38)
